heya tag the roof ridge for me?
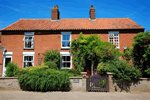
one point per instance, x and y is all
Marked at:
(67, 18)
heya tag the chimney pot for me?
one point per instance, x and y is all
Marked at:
(53, 6)
(91, 5)
(56, 6)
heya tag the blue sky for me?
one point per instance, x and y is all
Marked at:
(13, 10)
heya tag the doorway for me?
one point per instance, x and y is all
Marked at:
(88, 67)
(7, 57)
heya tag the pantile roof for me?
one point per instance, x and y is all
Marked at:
(73, 24)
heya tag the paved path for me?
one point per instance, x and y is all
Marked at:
(23, 95)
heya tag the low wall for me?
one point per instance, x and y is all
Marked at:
(140, 85)
(76, 83)
(9, 83)
(79, 84)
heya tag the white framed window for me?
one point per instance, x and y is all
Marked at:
(65, 40)
(113, 38)
(29, 40)
(28, 59)
(66, 61)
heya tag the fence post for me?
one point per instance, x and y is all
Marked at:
(84, 80)
(110, 81)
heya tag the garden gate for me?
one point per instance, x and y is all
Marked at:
(97, 83)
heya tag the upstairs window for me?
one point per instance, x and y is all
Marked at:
(65, 40)
(114, 38)
(29, 40)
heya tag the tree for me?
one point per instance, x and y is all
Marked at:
(91, 47)
(141, 52)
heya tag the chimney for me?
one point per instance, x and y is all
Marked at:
(92, 12)
(55, 13)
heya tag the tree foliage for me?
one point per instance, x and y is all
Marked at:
(91, 48)
(141, 52)
(52, 56)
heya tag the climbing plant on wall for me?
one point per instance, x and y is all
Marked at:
(91, 47)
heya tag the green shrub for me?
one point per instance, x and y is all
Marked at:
(51, 64)
(141, 52)
(148, 71)
(121, 70)
(127, 55)
(12, 70)
(41, 79)
(52, 55)
(72, 72)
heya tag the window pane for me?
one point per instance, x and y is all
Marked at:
(25, 58)
(115, 34)
(65, 44)
(30, 38)
(26, 38)
(27, 44)
(66, 37)
(66, 64)
(66, 58)
(30, 58)
(25, 64)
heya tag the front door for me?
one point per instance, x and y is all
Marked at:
(6, 60)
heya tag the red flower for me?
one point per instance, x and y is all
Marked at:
(146, 40)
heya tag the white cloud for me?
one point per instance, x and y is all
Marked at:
(12, 8)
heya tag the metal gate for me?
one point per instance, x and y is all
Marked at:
(97, 83)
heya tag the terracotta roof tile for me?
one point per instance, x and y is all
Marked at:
(74, 24)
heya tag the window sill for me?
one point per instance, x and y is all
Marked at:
(65, 68)
(28, 48)
(117, 47)
(65, 48)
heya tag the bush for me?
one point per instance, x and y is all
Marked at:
(128, 54)
(72, 72)
(43, 79)
(12, 70)
(122, 70)
(141, 52)
(51, 64)
(52, 55)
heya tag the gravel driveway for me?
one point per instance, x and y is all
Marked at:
(23, 95)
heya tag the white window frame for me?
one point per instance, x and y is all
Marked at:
(27, 34)
(66, 54)
(65, 33)
(114, 32)
(28, 54)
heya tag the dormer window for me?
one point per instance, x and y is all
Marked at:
(29, 40)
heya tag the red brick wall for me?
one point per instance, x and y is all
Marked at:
(13, 42)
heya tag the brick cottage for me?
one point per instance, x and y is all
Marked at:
(25, 41)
